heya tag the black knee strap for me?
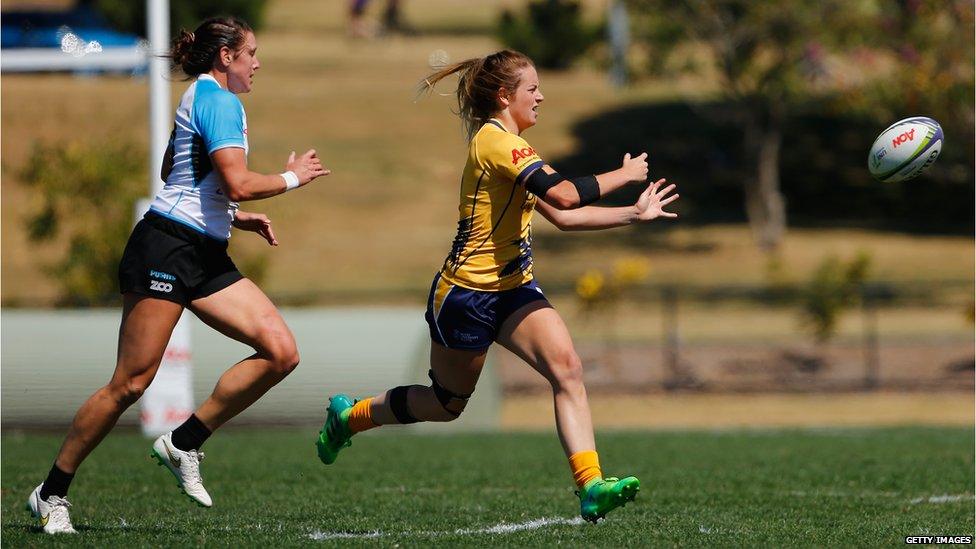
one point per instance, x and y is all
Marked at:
(398, 403)
(446, 396)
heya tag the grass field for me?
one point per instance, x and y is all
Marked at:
(744, 487)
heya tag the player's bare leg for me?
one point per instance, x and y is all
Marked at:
(456, 373)
(147, 324)
(456, 370)
(243, 312)
(240, 311)
(537, 334)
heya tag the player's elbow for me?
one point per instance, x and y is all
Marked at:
(563, 197)
(236, 192)
(236, 184)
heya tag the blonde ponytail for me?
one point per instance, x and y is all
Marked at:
(479, 80)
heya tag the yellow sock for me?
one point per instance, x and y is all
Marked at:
(360, 418)
(585, 466)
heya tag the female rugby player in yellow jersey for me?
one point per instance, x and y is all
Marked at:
(176, 258)
(485, 292)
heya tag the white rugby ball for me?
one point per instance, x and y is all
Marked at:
(905, 149)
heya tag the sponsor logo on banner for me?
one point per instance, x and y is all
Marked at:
(168, 401)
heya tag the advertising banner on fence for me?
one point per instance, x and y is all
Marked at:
(169, 399)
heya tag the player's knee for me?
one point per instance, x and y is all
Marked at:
(288, 358)
(285, 360)
(454, 410)
(566, 370)
(128, 392)
(452, 404)
(281, 351)
(444, 413)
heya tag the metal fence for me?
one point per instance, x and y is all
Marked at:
(896, 336)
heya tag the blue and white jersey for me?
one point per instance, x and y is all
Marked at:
(209, 118)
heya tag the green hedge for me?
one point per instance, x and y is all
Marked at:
(551, 32)
(130, 15)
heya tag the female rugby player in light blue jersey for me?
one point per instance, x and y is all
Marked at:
(486, 291)
(177, 258)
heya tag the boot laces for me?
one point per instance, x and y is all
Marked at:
(58, 513)
(191, 471)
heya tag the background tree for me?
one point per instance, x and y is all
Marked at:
(130, 15)
(774, 59)
(921, 56)
(86, 195)
(833, 288)
(551, 32)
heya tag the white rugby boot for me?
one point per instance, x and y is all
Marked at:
(185, 466)
(52, 512)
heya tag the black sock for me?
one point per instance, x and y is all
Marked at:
(56, 484)
(191, 435)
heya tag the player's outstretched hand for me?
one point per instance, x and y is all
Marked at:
(307, 166)
(635, 169)
(255, 222)
(651, 203)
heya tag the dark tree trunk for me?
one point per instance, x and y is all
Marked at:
(765, 206)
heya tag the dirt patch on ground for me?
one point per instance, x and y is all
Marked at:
(726, 385)
(704, 411)
(931, 366)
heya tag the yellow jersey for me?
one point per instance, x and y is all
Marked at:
(492, 250)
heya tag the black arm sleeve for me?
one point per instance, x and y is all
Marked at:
(588, 189)
(539, 182)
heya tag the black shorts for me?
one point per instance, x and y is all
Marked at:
(168, 260)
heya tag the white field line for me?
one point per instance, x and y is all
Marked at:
(842, 494)
(480, 490)
(945, 498)
(502, 528)
(709, 530)
(319, 535)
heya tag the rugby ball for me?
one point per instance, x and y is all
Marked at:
(905, 149)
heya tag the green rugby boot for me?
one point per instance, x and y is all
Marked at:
(600, 496)
(335, 434)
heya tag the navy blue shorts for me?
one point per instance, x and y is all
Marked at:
(460, 318)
